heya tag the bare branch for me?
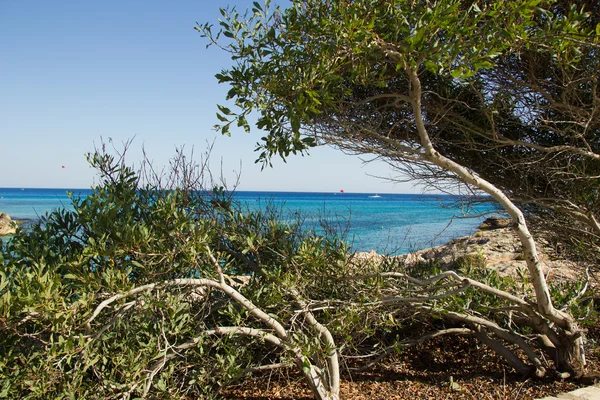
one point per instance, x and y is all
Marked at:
(231, 292)
(380, 355)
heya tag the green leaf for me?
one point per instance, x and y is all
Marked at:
(431, 66)
(295, 123)
(483, 65)
(225, 110)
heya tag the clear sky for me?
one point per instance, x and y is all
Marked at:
(73, 72)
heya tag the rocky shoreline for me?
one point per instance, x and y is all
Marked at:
(495, 243)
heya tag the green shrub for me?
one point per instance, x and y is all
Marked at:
(126, 234)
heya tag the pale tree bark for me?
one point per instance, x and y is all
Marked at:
(325, 384)
(570, 351)
(332, 366)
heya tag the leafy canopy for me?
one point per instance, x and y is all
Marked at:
(300, 66)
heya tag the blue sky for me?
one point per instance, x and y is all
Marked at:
(73, 72)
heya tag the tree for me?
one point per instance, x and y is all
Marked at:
(531, 123)
(498, 96)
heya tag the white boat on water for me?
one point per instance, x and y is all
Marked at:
(375, 197)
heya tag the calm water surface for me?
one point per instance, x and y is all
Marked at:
(387, 223)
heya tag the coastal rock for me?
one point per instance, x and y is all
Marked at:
(495, 245)
(495, 223)
(7, 225)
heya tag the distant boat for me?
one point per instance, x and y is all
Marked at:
(375, 197)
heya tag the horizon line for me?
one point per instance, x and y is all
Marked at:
(260, 190)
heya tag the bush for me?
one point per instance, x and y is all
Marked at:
(127, 235)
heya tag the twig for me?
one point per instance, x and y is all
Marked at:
(408, 343)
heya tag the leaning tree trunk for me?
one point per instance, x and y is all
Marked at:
(568, 341)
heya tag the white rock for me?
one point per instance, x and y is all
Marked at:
(7, 225)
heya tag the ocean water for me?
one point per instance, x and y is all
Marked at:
(386, 223)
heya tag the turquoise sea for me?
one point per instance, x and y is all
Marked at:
(386, 223)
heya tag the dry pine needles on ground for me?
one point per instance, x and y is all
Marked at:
(443, 368)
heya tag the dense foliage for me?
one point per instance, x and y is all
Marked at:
(146, 291)
(55, 341)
